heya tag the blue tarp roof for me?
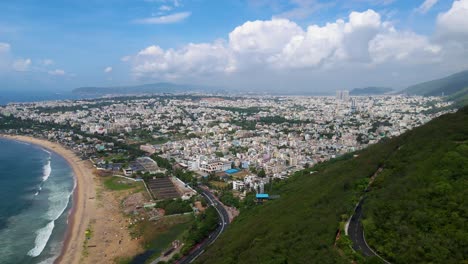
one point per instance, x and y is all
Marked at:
(231, 171)
(262, 196)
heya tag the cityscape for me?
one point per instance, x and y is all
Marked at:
(234, 132)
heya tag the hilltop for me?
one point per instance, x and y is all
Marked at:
(370, 91)
(414, 213)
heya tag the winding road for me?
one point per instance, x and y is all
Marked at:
(223, 223)
(355, 229)
(356, 233)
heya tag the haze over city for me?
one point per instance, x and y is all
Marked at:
(298, 46)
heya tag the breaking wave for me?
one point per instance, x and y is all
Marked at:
(58, 204)
(46, 171)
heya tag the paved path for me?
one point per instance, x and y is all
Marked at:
(356, 233)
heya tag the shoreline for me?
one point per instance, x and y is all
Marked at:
(79, 215)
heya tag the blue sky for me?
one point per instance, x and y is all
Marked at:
(70, 43)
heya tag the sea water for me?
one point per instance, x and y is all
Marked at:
(36, 188)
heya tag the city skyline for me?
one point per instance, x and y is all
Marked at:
(296, 45)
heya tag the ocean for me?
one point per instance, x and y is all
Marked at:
(36, 189)
(36, 96)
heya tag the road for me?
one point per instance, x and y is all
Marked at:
(356, 234)
(223, 223)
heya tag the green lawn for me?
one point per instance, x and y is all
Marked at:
(120, 184)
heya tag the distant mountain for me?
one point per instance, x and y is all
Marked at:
(162, 87)
(447, 86)
(370, 91)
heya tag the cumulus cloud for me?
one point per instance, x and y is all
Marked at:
(426, 6)
(169, 19)
(108, 69)
(21, 65)
(363, 38)
(57, 72)
(454, 21)
(398, 46)
(193, 59)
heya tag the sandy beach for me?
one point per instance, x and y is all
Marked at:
(83, 206)
(94, 208)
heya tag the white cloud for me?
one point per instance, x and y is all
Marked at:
(454, 21)
(108, 69)
(426, 6)
(57, 72)
(21, 65)
(47, 62)
(165, 8)
(4, 47)
(263, 37)
(362, 39)
(398, 46)
(169, 19)
(193, 59)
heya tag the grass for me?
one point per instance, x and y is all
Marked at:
(120, 184)
(219, 184)
(158, 236)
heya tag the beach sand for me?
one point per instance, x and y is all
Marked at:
(110, 238)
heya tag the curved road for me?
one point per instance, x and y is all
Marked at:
(223, 223)
(356, 234)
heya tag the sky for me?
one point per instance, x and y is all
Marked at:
(303, 46)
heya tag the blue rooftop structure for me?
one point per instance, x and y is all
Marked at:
(231, 171)
(262, 196)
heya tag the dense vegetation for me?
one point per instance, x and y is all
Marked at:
(301, 226)
(416, 211)
(204, 224)
(177, 206)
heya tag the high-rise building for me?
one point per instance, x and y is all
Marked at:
(342, 95)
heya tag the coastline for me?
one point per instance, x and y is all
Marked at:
(83, 204)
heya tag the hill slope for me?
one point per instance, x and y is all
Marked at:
(417, 210)
(301, 226)
(447, 86)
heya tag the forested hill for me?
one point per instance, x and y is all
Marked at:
(415, 213)
(445, 86)
(417, 210)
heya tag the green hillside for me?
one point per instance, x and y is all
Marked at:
(423, 166)
(417, 210)
(447, 86)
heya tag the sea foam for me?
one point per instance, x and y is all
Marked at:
(42, 237)
(46, 170)
(58, 203)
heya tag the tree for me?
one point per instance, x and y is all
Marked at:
(262, 173)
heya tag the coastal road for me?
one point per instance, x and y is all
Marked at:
(356, 234)
(223, 223)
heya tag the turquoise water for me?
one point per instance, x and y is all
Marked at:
(35, 198)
